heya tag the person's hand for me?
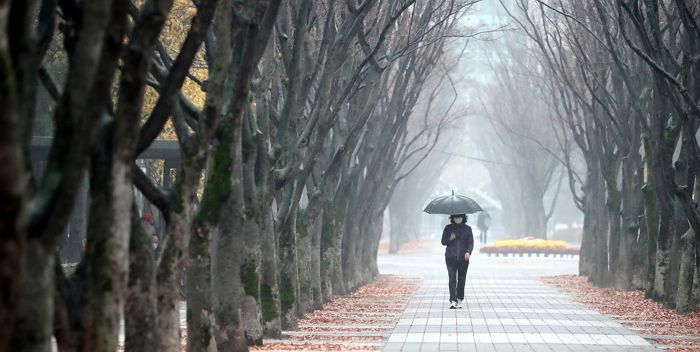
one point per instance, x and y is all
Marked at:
(452, 236)
(466, 256)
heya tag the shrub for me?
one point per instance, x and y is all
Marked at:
(531, 243)
(524, 249)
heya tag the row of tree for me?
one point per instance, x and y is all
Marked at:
(622, 82)
(522, 167)
(439, 106)
(305, 129)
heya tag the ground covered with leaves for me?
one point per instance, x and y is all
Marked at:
(662, 326)
(358, 322)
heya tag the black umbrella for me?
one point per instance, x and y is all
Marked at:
(453, 204)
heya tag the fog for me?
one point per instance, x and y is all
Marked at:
(500, 145)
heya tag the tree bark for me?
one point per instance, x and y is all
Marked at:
(304, 262)
(289, 273)
(687, 273)
(252, 224)
(35, 308)
(140, 314)
(652, 221)
(169, 273)
(111, 191)
(598, 229)
(331, 258)
(316, 290)
(227, 269)
(613, 206)
(629, 253)
(92, 55)
(269, 283)
(308, 256)
(269, 287)
(13, 190)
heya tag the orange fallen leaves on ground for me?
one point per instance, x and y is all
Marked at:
(357, 322)
(298, 346)
(661, 325)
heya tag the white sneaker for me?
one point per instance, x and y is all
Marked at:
(453, 305)
(460, 303)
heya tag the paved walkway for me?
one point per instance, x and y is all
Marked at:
(507, 309)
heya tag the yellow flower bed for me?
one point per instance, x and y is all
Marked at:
(531, 243)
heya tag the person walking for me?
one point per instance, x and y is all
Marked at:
(483, 222)
(459, 239)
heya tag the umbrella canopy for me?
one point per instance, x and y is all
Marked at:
(453, 204)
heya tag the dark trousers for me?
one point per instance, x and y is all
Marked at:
(482, 236)
(457, 270)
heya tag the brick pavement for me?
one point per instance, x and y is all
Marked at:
(507, 309)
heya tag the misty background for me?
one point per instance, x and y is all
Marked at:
(499, 145)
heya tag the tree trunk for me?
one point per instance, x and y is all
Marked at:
(333, 237)
(35, 310)
(269, 285)
(13, 188)
(662, 265)
(640, 262)
(351, 237)
(598, 223)
(70, 307)
(107, 253)
(687, 273)
(613, 204)
(599, 249)
(252, 223)
(652, 224)
(398, 233)
(227, 288)
(665, 237)
(200, 318)
(628, 255)
(585, 259)
(330, 248)
(304, 230)
(289, 274)
(269, 288)
(317, 293)
(371, 246)
(403, 225)
(534, 212)
(168, 275)
(140, 315)
(663, 252)
(251, 274)
(227, 285)
(624, 271)
(695, 297)
(679, 226)
(309, 261)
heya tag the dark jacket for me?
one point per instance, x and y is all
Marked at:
(463, 242)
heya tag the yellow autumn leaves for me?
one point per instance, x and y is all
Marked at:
(172, 37)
